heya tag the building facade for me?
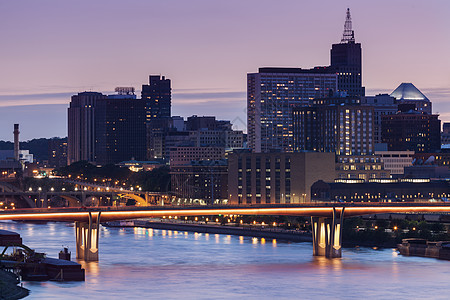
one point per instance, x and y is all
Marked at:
(158, 97)
(346, 61)
(81, 127)
(272, 93)
(257, 178)
(382, 104)
(407, 93)
(362, 167)
(57, 152)
(381, 190)
(396, 161)
(184, 155)
(412, 130)
(339, 125)
(120, 129)
(206, 180)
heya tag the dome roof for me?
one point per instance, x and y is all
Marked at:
(407, 91)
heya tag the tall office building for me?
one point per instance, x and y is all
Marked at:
(120, 129)
(339, 125)
(346, 61)
(271, 95)
(81, 127)
(157, 96)
(106, 129)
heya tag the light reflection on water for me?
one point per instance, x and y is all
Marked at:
(141, 262)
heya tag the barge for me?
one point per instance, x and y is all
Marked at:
(424, 248)
(35, 266)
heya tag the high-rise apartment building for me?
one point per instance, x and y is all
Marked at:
(272, 93)
(347, 63)
(339, 125)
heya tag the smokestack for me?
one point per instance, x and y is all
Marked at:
(16, 142)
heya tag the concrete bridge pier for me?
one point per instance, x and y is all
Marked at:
(327, 234)
(87, 234)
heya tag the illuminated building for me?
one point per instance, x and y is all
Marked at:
(411, 130)
(380, 190)
(363, 167)
(157, 96)
(200, 179)
(407, 93)
(184, 155)
(396, 161)
(271, 95)
(340, 125)
(255, 178)
(346, 61)
(57, 152)
(273, 92)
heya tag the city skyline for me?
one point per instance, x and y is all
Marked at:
(206, 49)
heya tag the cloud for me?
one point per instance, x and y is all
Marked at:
(207, 97)
(34, 99)
(184, 96)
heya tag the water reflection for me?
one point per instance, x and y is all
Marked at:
(208, 266)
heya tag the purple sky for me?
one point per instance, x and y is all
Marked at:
(53, 49)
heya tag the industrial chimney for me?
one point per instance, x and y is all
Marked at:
(16, 142)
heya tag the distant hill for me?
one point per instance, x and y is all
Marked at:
(38, 147)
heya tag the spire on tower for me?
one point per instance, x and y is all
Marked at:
(349, 34)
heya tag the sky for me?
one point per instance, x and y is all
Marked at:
(52, 49)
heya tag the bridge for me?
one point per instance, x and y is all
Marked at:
(80, 196)
(326, 219)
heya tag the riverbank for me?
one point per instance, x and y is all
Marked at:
(270, 233)
(252, 231)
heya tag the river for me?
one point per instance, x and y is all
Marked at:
(137, 263)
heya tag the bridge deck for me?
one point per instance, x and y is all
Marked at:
(123, 213)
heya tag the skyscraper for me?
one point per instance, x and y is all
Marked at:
(81, 126)
(346, 61)
(120, 129)
(271, 95)
(157, 96)
(106, 129)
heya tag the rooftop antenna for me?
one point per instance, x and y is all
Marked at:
(349, 34)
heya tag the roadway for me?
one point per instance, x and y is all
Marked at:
(310, 209)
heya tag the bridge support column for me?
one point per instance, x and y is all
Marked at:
(87, 234)
(327, 234)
